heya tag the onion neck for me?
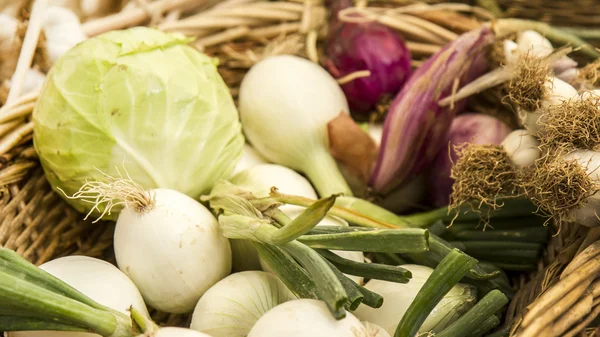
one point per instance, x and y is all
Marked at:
(325, 175)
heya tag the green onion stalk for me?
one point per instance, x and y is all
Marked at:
(300, 254)
(32, 299)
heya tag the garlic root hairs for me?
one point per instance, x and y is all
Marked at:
(112, 192)
(589, 75)
(558, 186)
(482, 174)
(572, 124)
(527, 89)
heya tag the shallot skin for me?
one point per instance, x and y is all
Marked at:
(368, 46)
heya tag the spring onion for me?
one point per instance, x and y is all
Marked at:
(285, 103)
(397, 297)
(97, 279)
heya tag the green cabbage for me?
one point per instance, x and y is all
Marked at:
(137, 99)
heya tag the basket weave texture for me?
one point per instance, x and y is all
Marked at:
(40, 226)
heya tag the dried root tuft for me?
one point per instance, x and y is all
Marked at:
(574, 124)
(482, 175)
(589, 75)
(558, 186)
(113, 192)
(528, 89)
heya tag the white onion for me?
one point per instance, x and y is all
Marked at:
(176, 332)
(98, 280)
(232, 306)
(173, 252)
(250, 158)
(397, 297)
(306, 318)
(285, 104)
(374, 330)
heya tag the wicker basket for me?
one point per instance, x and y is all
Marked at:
(40, 226)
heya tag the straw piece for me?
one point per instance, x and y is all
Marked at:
(555, 293)
(288, 6)
(273, 31)
(589, 253)
(15, 172)
(15, 137)
(353, 76)
(33, 96)
(311, 46)
(8, 127)
(583, 324)
(429, 26)
(17, 112)
(577, 312)
(222, 37)
(136, 16)
(557, 309)
(211, 23)
(407, 28)
(27, 52)
(422, 49)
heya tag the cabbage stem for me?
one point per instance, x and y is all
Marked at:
(475, 318)
(367, 270)
(410, 240)
(325, 175)
(447, 274)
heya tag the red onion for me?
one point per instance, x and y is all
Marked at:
(467, 128)
(416, 126)
(368, 46)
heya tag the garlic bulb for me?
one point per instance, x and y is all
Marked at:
(522, 148)
(63, 31)
(558, 91)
